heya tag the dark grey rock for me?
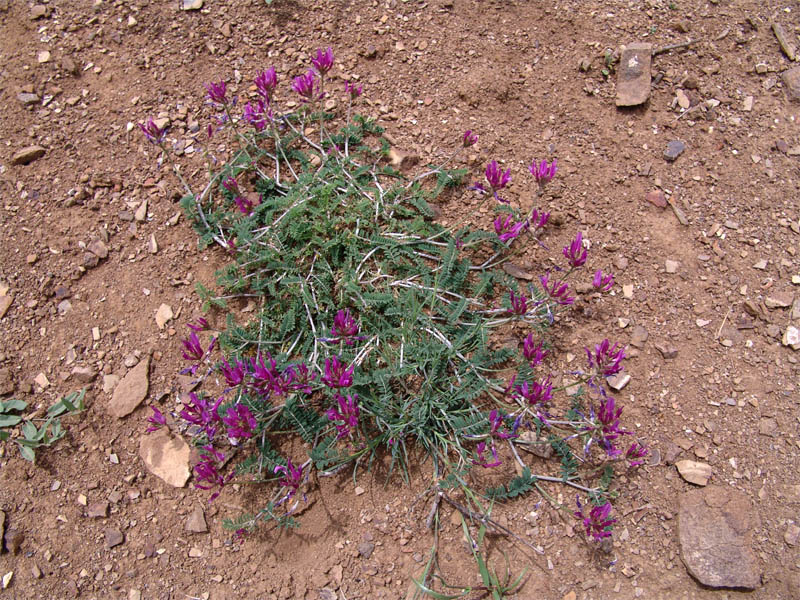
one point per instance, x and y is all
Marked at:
(674, 149)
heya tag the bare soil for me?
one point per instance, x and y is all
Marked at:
(509, 70)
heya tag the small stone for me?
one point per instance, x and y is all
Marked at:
(359, 490)
(656, 198)
(130, 392)
(42, 381)
(618, 381)
(166, 456)
(779, 300)
(715, 532)
(639, 336)
(152, 244)
(13, 539)
(163, 315)
(668, 351)
(97, 510)
(694, 472)
(38, 11)
(192, 4)
(90, 261)
(683, 98)
(114, 537)
(671, 266)
(27, 155)
(517, 272)
(7, 577)
(791, 81)
(6, 385)
(365, 549)
(98, 248)
(195, 552)
(96, 334)
(84, 374)
(627, 291)
(400, 159)
(792, 534)
(28, 98)
(196, 523)
(5, 304)
(761, 265)
(768, 426)
(791, 337)
(747, 105)
(134, 594)
(43, 56)
(141, 212)
(674, 149)
(70, 67)
(36, 572)
(633, 75)
(110, 382)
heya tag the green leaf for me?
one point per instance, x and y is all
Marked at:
(9, 420)
(29, 431)
(27, 453)
(12, 404)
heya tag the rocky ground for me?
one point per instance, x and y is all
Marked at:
(691, 197)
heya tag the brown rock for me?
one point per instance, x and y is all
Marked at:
(694, 472)
(27, 155)
(84, 374)
(98, 248)
(2, 528)
(114, 537)
(517, 272)
(130, 392)
(38, 11)
(633, 77)
(715, 531)
(69, 66)
(97, 510)
(196, 523)
(6, 382)
(668, 351)
(13, 539)
(657, 198)
(5, 304)
(639, 336)
(166, 456)
(791, 80)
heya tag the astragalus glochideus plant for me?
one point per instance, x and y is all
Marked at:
(376, 331)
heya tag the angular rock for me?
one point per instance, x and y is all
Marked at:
(38, 11)
(166, 456)
(791, 81)
(2, 528)
(6, 382)
(791, 337)
(365, 549)
(656, 198)
(639, 336)
(114, 537)
(785, 40)
(715, 531)
(98, 248)
(192, 4)
(28, 99)
(618, 381)
(517, 272)
(97, 510)
(109, 383)
(633, 76)
(668, 351)
(163, 315)
(84, 374)
(27, 155)
(196, 523)
(130, 392)
(70, 67)
(778, 300)
(694, 472)
(13, 539)
(5, 304)
(674, 149)
(792, 534)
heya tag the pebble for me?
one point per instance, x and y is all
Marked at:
(84, 374)
(668, 351)
(196, 523)
(98, 248)
(43, 56)
(671, 266)
(97, 510)
(110, 382)
(113, 537)
(791, 81)
(38, 11)
(192, 4)
(683, 99)
(163, 315)
(131, 390)
(627, 291)
(5, 304)
(27, 155)
(6, 387)
(195, 552)
(792, 534)
(694, 472)
(747, 105)
(618, 381)
(28, 98)
(639, 336)
(657, 198)
(791, 337)
(365, 549)
(674, 149)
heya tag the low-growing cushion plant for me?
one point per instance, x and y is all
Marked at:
(374, 336)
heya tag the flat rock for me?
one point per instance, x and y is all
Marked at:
(97, 510)
(656, 198)
(13, 539)
(2, 528)
(633, 76)
(130, 392)
(715, 531)
(27, 155)
(38, 11)
(639, 336)
(779, 300)
(618, 381)
(163, 315)
(674, 149)
(6, 382)
(517, 272)
(5, 304)
(98, 248)
(84, 374)
(791, 337)
(668, 351)
(196, 523)
(694, 472)
(114, 537)
(166, 456)
(192, 4)
(27, 98)
(791, 81)
(365, 549)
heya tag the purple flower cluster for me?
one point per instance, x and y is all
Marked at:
(597, 523)
(207, 474)
(323, 61)
(533, 353)
(217, 92)
(345, 328)
(507, 229)
(484, 462)
(498, 420)
(344, 415)
(306, 86)
(469, 138)
(201, 412)
(291, 480)
(240, 422)
(606, 359)
(606, 429)
(543, 172)
(337, 375)
(537, 393)
(519, 303)
(557, 290)
(635, 454)
(602, 282)
(265, 83)
(575, 253)
(157, 419)
(193, 351)
(153, 133)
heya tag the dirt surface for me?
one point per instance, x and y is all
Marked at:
(709, 274)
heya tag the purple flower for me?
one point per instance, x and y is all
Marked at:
(344, 327)
(292, 478)
(157, 419)
(323, 61)
(336, 375)
(508, 230)
(207, 474)
(575, 253)
(305, 86)
(231, 185)
(264, 375)
(597, 523)
(495, 176)
(258, 114)
(469, 138)
(234, 375)
(636, 452)
(543, 172)
(557, 290)
(606, 358)
(346, 417)
(601, 282)
(483, 462)
(201, 413)
(608, 417)
(497, 420)
(536, 393)
(352, 89)
(244, 204)
(534, 354)
(153, 132)
(266, 82)
(217, 92)
(201, 325)
(240, 422)
(301, 378)
(539, 220)
(519, 304)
